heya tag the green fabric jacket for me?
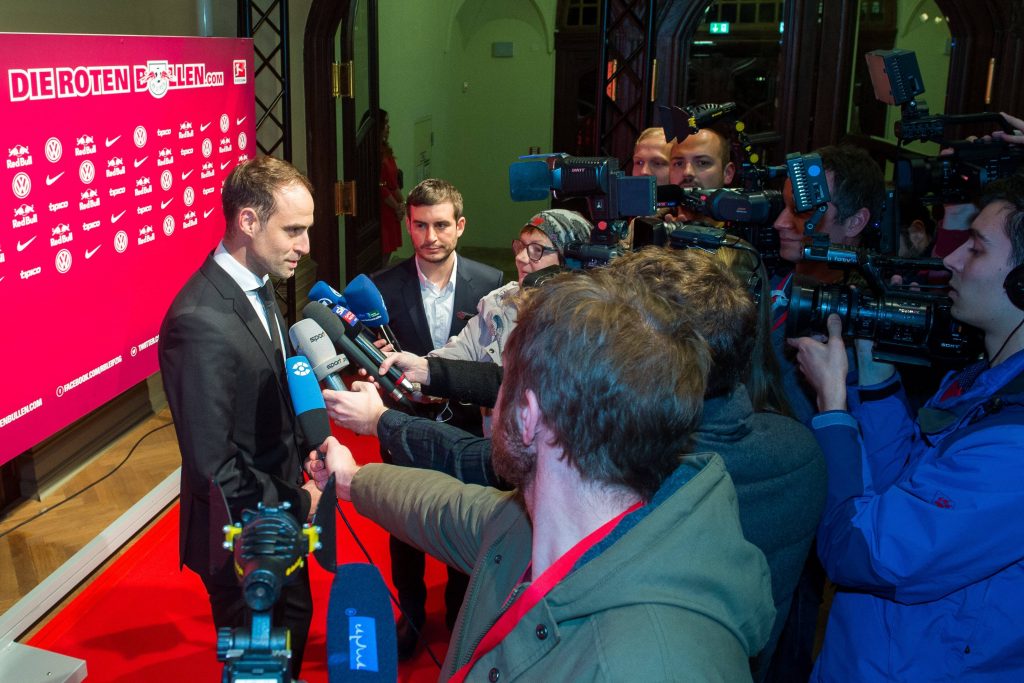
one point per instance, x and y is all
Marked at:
(674, 594)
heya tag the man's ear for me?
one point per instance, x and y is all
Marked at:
(248, 222)
(730, 171)
(855, 224)
(530, 419)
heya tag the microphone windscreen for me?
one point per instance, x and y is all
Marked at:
(529, 180)
(310, 340)
(365, 300)
(325, 294)
(307, 401)
(361, 642)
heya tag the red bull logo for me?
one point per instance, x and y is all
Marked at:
(18, 156)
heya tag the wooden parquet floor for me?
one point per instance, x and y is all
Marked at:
(43, 542)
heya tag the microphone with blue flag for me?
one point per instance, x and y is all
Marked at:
(308, 402)
(361, 641)
(365, 300)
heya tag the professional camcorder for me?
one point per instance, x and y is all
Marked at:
(614, 197)
(909, 324)
(953, 178)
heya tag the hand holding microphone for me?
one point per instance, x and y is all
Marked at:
(337, 333)
(358, 410)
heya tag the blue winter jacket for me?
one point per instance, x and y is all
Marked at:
(924, 533)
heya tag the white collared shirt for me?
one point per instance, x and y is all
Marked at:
(248, 281)
(438, 304)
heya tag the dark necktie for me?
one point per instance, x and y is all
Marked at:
(266, 293)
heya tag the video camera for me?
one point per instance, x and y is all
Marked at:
(950, 179)
(908, 323)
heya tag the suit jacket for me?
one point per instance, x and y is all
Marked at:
(232, 411)
(400, 287)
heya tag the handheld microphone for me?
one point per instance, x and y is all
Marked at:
(307, 401)
(367, 303)
(361, 640)
(354, 330)
(335, 330)
(326, 294)
(310, 340)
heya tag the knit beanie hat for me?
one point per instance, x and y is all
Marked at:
(561, 227)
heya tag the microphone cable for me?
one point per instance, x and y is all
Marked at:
(83, 490)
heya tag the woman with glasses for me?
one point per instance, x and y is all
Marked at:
(541, 244)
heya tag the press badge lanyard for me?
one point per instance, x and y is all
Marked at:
(536, 591)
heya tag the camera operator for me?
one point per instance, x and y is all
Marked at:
(617, 557)
(702, 159)
(856, 189)
(922, 523)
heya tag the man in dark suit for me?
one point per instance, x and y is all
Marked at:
(429, 297)
(222, 351)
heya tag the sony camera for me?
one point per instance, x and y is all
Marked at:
(909, 324)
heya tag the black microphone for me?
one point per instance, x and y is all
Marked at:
(335, 330)
(361, 640)
(308, 402)
(366, 302)
(355, 330)
(309, 339)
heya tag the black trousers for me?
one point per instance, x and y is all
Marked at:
(293, 609)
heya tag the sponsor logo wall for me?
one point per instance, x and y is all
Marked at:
(114, 152)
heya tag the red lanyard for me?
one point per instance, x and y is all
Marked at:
(536, 591)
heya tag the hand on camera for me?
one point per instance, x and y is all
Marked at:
(825, 365)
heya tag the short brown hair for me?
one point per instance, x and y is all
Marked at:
(434, 191)
(701, 286)
(252, 184)
(618, 375)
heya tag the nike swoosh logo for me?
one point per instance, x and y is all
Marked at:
(225, 164)
(140, 162)
(52, 180)
(202, 128)
(21, 247)
(240, 121)
(114, 219)
(164, 205)
(186, 174)
(206, 214)
(110, 142)
(90, 252)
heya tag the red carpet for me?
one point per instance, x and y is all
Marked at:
(144, 620)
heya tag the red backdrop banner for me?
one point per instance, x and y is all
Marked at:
(114, 152)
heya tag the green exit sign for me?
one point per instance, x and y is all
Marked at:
(719, 26)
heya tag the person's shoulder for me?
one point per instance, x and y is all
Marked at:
(476, 269)
(396, 272)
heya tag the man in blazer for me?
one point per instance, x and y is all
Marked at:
(222, 349)
(429, 298)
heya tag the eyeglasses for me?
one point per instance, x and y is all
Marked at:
(534, 250)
